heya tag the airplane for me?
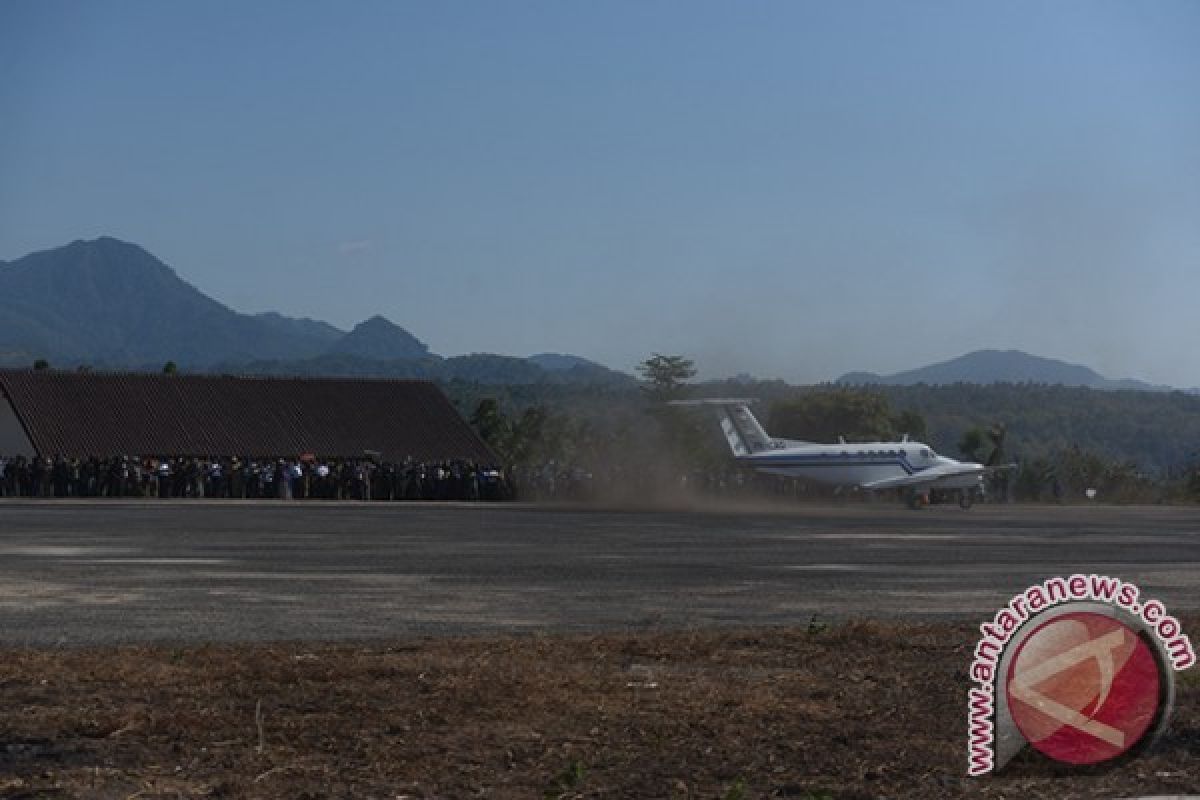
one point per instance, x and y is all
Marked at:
(870, 466)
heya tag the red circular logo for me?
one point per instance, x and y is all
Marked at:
(1083, 688)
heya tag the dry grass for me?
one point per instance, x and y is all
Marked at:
(859, 711)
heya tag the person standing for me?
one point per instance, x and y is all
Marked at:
(36, 477)
(282, 479)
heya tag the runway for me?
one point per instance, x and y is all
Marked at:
(99, 573)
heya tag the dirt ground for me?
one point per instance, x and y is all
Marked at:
(861, 710)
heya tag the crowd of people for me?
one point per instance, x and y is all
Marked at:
(240, 477)
(374, 479)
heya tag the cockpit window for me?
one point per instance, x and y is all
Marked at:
(927, 453)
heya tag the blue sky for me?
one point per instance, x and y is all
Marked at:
(787, 189)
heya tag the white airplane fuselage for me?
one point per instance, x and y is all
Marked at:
(872, 466)
(862, 464)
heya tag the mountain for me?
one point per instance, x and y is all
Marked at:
(554, 362)
(489, 368)
(380, 339)
(999, 366)
(569, 368)
(111, 303)
(479, 368)
(300, 326)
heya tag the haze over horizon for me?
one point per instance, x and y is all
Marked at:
(793, 191)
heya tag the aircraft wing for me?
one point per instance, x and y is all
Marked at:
(925, 477)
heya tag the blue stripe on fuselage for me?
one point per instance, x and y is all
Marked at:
(831, 460)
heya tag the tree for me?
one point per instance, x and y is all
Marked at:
(170, 368)
(41, 364)
(539, 437)
(985, 447)
(529, 439)
(1033, 478)
(491, 425)
(971, 444)
(827, 414)
(686, 437)
(534, 438)
(909, 422)
(666, 376)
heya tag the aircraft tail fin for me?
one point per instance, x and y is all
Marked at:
(742, 431)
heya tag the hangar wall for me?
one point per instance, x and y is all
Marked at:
(81, 414)
(13, 441)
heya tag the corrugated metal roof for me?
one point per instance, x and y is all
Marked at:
(107, 414)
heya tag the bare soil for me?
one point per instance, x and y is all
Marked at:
(862, 710)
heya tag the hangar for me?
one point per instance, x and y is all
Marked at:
(76, 414)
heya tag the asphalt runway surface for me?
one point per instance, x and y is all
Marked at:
(77, 573)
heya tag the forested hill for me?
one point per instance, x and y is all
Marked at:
(998, 366)
(1157, 431)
